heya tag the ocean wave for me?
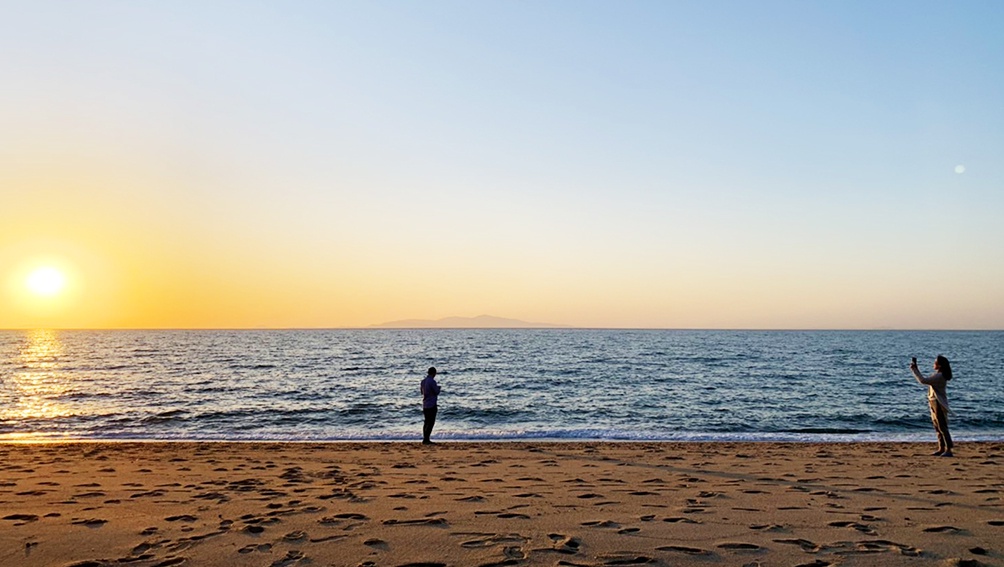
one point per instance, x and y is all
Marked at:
(827, 431)
(165, 416)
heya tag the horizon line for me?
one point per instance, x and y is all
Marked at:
(527, 328)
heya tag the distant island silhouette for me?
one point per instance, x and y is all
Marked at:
(479, 322)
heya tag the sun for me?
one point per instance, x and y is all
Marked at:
(46, 281)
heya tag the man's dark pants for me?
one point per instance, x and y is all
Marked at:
(430, 420)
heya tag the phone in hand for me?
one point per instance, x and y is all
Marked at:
(914, 360)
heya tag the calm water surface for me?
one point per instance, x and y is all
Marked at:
(497, 384)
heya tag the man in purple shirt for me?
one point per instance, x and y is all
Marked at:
(430, 396)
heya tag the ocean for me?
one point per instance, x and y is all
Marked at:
(498, 384)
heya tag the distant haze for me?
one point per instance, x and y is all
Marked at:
(479, 322)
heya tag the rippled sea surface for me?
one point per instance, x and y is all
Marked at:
(497, 384)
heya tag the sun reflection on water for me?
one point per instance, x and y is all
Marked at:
(32, 391)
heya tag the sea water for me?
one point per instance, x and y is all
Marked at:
(496, 384)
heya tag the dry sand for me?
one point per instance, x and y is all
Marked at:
(478, 504)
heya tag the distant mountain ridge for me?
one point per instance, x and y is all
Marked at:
(479, 322)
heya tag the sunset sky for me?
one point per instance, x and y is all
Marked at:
(603, 164)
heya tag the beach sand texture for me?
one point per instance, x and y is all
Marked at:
(495, 503)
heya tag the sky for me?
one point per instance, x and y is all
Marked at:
(683, 164)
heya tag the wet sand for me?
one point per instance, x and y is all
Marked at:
(492, 504)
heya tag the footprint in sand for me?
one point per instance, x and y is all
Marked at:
(679, 520)
(865, 529)
(684, 549)
(298, 535)
(292, 556)
(513, 553)
(142, 548)
(350, 516)
(423, 521)
(806, 545)
(565, 544)
(624, 558)
(503, 563)
(89, 495)
(873, 546)
(513, 515)
(491, 540)
(21, 519)
(767, 528)
(169, 562)
(827, 493)
(264, 548)
(739, 546)
(89, 522)
(942, 529)
(601, 524)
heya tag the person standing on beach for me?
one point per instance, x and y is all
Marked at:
(937, 398)
(430, 407)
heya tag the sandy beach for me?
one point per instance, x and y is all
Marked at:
(481, 504)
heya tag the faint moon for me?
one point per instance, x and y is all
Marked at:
(960, 169)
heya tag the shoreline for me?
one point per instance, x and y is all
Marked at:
(476, 443)
(840, 439)
(494, 503)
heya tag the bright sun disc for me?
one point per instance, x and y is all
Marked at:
(46, 281)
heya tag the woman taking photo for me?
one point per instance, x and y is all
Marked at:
(937, 398)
